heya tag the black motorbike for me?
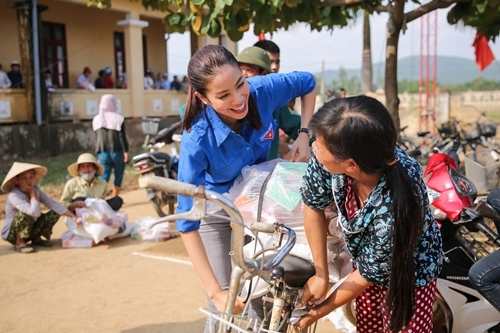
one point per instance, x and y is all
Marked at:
(160, 164)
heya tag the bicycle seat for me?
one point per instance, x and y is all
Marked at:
(423, 134)
(297, 270)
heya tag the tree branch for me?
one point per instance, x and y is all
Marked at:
(427, 8)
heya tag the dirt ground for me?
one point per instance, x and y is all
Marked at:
(120, 286)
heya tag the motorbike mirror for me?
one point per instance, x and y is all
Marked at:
(484, 209)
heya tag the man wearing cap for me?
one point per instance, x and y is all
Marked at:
(256, 61)
(83, 81)
(86, 183)
(24, 220)
(15, 76)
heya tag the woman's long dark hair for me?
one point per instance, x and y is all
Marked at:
(202, 67)
(361, 128)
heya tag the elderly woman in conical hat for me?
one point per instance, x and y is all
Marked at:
(86, 183)
(111, 141)
(24, 221)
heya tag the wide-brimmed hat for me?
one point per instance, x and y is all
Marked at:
(85, 158)
(18, 168)
(254, 55)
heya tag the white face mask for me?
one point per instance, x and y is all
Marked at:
(87, 176)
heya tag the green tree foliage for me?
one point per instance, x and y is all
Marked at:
(351, 84)
(478, 84)
(408, 86)
(209, 17)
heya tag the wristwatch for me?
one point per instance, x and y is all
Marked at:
(304, 130)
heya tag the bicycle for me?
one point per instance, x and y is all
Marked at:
(284, 274)
(425, 143)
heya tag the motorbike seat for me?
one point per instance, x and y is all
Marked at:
(297, 270)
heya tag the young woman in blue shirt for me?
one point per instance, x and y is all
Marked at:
(384, 212)
(228, 124)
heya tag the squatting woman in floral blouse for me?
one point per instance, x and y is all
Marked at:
(385, 216)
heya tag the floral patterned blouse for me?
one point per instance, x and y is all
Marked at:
(367, 233)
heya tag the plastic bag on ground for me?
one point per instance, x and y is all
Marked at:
(144, 232)
(99, 220)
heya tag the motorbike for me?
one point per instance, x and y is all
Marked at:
(161, 164)
(463, 222)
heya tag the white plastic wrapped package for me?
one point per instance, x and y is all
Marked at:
(98, 220)
(277, 185)
(282, 202)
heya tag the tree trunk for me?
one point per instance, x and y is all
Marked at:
(366, 67)
(391, 60)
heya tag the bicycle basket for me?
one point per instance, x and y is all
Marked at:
(236, 323)
(471, 131)
(149, 126)
(488, 129)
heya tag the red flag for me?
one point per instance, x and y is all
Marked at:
(262, 37)
(484, 56)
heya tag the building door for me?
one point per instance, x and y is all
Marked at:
(54, 56)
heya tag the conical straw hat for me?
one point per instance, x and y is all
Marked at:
(85, 158)
(18, 168)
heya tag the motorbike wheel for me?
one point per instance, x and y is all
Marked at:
(163, 203)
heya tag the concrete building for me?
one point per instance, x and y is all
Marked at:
(72, 36)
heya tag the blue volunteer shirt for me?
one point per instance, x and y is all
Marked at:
(213, 155)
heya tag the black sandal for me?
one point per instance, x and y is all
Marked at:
(42, 242)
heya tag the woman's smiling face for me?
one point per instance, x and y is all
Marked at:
(228, 93)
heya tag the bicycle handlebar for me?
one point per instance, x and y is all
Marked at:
(200, 195)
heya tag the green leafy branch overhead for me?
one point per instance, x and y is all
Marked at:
(209, 17)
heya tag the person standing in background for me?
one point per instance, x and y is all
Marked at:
(49, 85)
(83, 81)
(111, 141)
(109, 83)
(4, 79)
(99, 82)
(288, 122)
(343, 93)
(176, 84)
(149, 81)
(15, 76)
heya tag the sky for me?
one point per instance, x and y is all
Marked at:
(302, 49)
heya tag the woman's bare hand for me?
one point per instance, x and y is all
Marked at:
(220, 299)
(314, 290)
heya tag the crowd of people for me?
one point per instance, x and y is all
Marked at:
(236, 105)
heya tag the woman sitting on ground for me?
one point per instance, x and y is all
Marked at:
(86, 183)
(24, 220)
